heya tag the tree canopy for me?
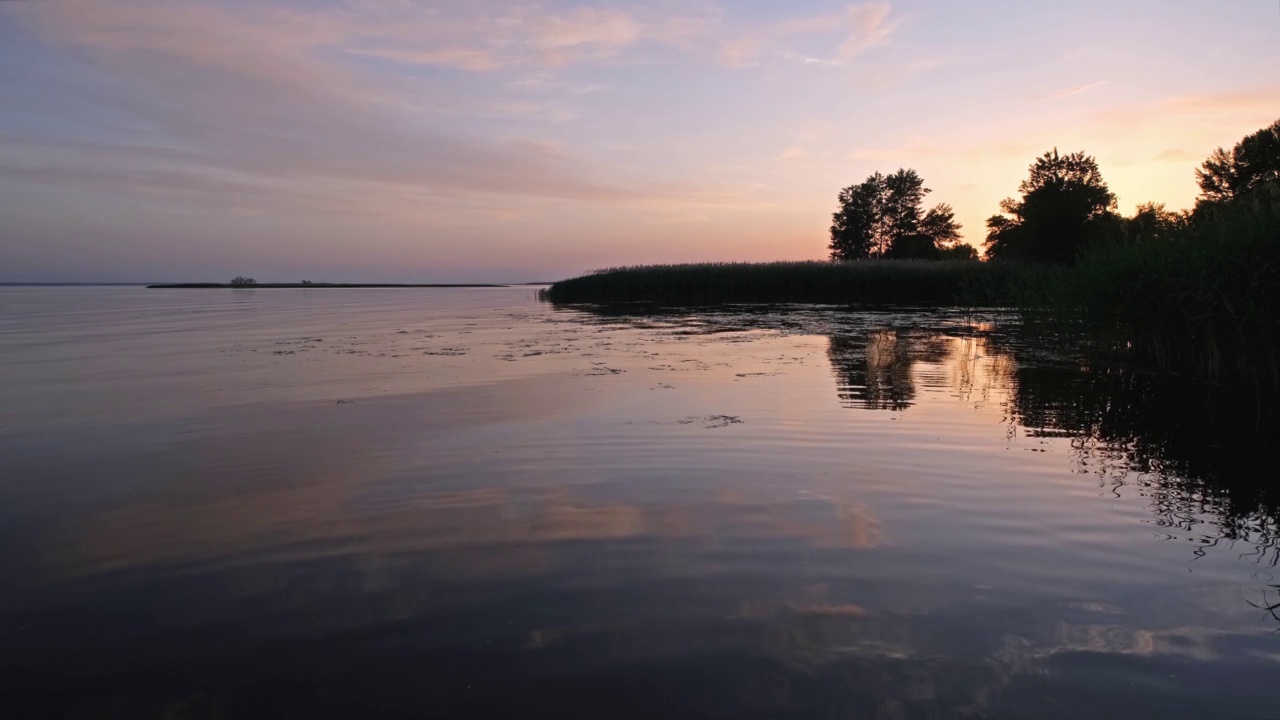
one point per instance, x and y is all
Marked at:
(1065, 205)
(1252, 163)
(883, 217)
(1153, 222)
(1064, 208)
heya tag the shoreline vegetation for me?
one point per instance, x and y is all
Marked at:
(854, 282)
(1195, 292)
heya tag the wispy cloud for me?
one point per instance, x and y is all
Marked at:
(1262, 101)
(849, 33)
(269, 99)
(586, 32)
(871, 28)
(793, 153)
(485, 35)
(1177, 155)
(1077, 90)
(249, 95)
(1248, 108)
(474, 59)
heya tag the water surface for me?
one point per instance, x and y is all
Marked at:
(466, 503)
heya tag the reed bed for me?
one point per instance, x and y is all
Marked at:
(897, 282)
(1206, 303)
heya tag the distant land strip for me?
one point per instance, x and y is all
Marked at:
(313, 286)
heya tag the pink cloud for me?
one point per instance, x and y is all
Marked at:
(871, 28)
(1077, 90)
(250, 93)
(474, 59)
(863, 28)
(594, 29)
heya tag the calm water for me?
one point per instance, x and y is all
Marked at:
(465, 503)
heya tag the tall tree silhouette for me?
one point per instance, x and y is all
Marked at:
(1065, 204)
(884, 212)
(1252, 163)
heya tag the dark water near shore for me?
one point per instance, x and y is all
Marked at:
(465, 503)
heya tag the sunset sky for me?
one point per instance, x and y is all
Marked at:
(409, 140)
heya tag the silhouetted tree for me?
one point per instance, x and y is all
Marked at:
(1253, 162)
(940, 224)
(884, 211)
(917, 246)
(1065, 204)
(1151, 222)
(854, 226)
(242, 281)
(958, 251)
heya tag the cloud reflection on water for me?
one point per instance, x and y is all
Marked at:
(875, 538)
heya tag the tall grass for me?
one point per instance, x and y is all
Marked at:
(945, 282)
(1206, 303)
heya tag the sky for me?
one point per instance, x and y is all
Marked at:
(506, 141)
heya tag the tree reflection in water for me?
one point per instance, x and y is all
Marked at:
(875, 369)
(1200, 454)
(1196, 451)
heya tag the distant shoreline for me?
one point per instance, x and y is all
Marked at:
(70, 284)
(312, 286)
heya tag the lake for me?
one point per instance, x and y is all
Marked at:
(469, 503)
